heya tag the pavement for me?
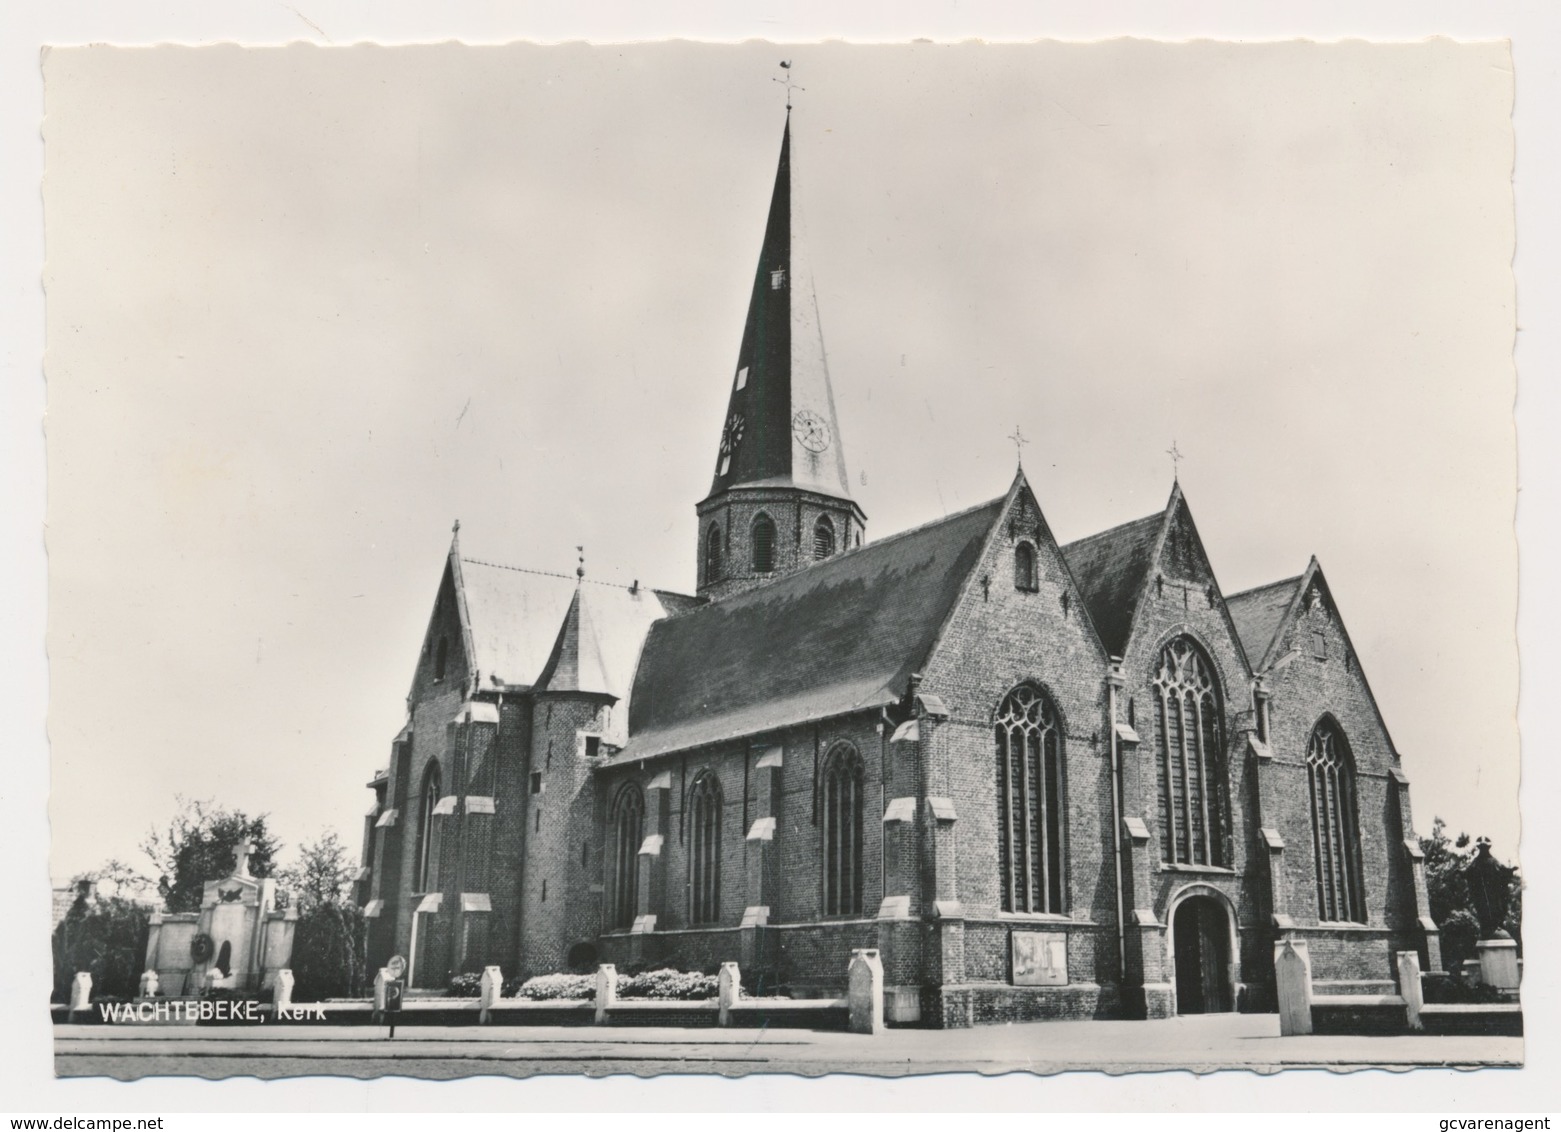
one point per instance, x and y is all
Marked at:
(1202, 1044)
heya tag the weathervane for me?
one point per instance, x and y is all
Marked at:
(1176, 461)
(790, 85)
(1019, 442)
(580, 569)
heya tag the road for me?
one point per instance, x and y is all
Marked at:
(1200, 1044)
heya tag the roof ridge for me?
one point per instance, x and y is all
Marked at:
(844, 555)
(1264, 586)
(1113, 530)
(555, 574)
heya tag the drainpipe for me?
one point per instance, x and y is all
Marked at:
(1114, 684)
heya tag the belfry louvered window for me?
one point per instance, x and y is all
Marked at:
(427, 829)
(1024, 567)
(1029, 801)
(823, 537)
(1187, 749)
(704, 851)
(763, 544)
(842, 830)
(1330, 772)
(713, 553)
(628, 833)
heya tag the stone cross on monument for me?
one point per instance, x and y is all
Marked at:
(241, 866)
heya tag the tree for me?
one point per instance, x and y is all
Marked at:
(105, 936)
(1447, 861)
(115, 878)
(201, 844)
(322, 873)
(330, 952)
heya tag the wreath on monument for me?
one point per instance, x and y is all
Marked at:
(202, 948)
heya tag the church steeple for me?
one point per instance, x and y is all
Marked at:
(780, 496)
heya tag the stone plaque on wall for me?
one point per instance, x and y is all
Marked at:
(1040, 959)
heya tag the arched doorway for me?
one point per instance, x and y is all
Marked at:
(1200, 941)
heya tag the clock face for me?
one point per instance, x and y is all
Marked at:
(811, 430)
(731, 434)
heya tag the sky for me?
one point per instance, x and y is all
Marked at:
(306, 307)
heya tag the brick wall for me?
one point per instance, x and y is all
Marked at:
(1302, 692)
(794, 513)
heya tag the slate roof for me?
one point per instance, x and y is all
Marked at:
(1110, 568)
(514, 616)
(517, 616)
(838, 636)
(1257, 613)
(598, 646)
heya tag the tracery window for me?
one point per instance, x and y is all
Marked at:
(842, 832)
(1330, 771)
(1024, 567)
(704, 850)
(763, 544)
(1187, 746)
(823, 537)
(427, 872)
(628, 833)
(713, 553)
(1029, 800)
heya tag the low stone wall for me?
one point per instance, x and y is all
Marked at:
(982, 1004)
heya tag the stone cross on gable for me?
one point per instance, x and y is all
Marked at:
(245, 848)
(1020, 440)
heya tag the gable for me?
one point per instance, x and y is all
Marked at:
(835, 637)
(1002, 627)
(1315, 663)
(444, 640)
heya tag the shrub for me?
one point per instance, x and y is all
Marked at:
(106, 937)
(548, 987)
(468, 985)
(664, 983)
(330, 957)
(668, 984)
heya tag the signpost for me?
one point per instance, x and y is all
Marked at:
(395, 987)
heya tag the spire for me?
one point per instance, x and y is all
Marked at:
(780, 427)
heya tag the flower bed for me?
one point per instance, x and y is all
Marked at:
(665, 984)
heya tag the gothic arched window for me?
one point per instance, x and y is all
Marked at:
(842, 832)
(823, 537)
(763, 544)
(704, 850)
(1187, 745)
(1029, 801)
(713, 553)
(1330, 771)
(1024, 567)
(427, 869)
(628, 825)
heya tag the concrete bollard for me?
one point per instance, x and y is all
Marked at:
(284, 990)
(606, 991)
(1410, 989)
(728, 990)
(148, 983)
(1293, 979)
(380, 980)
(488, 991)
(81, 991)
(864, 991)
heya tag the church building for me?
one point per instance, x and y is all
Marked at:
(1045, 780)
